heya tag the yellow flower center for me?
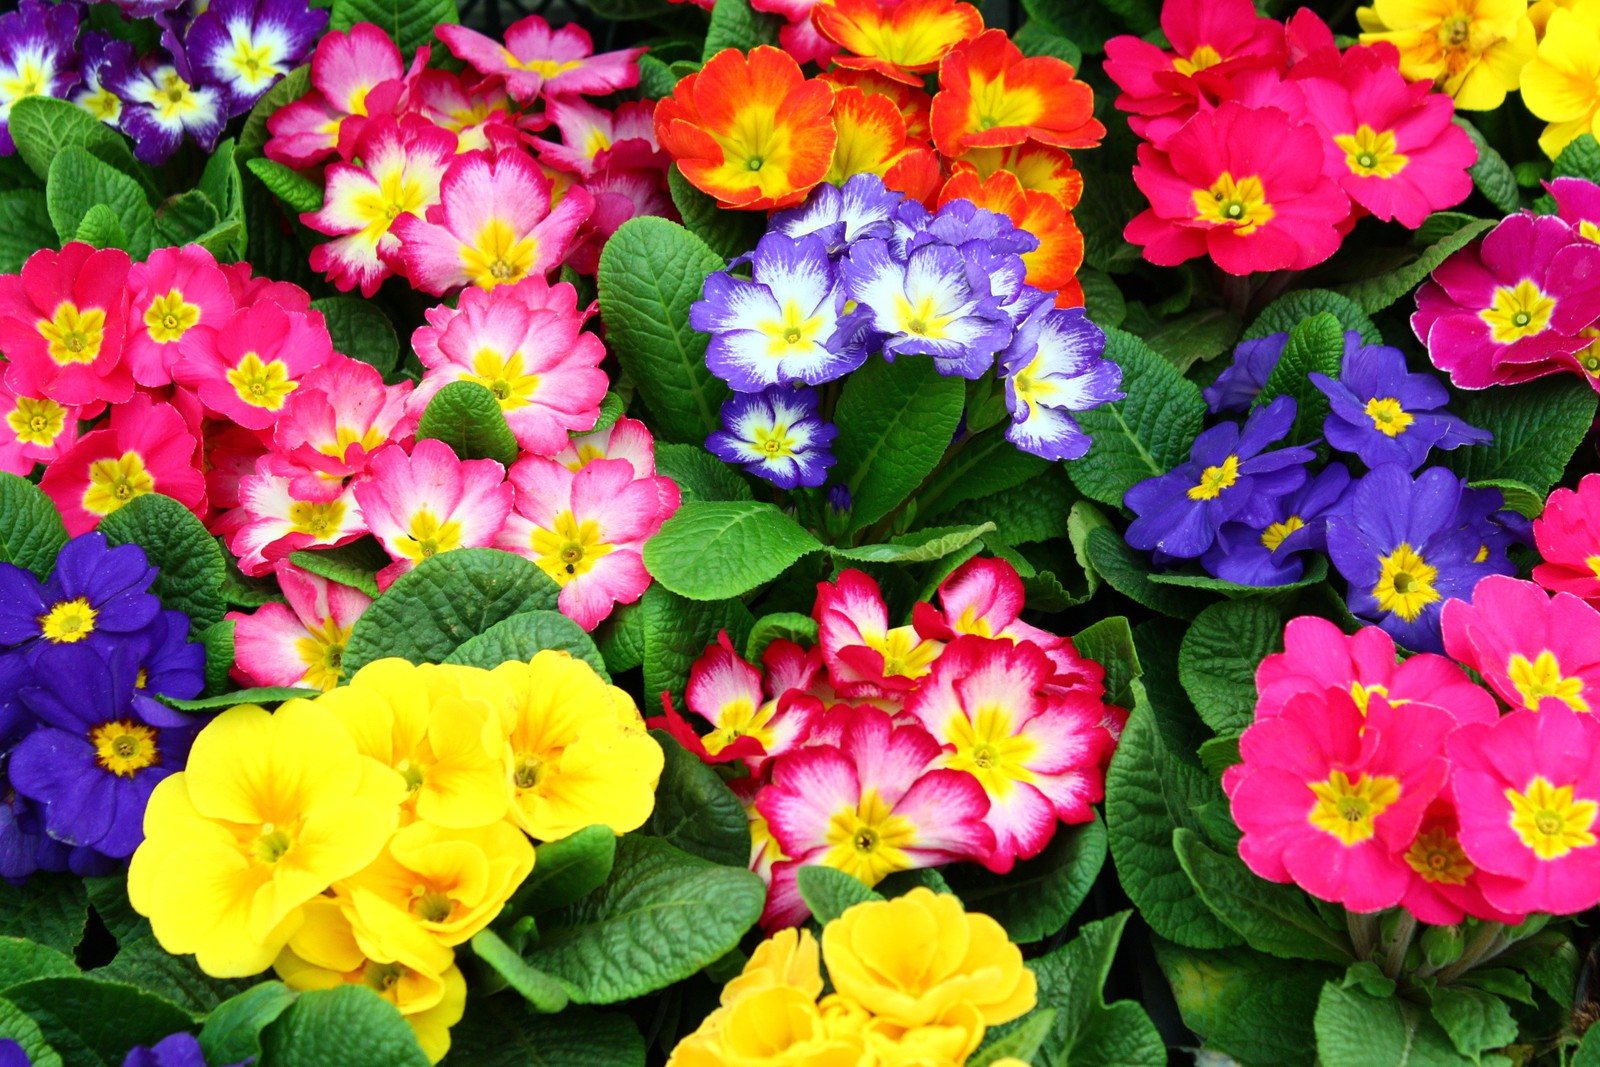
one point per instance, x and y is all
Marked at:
(545, 68)
(1349, 810)
(115, 482)
(1549, 820)
(1029, 387)
(68, 621)
(170, 317)
(905, 654)
(1456, 31)
(923, 319)
(1542, 678)
(571, 549)
(322, 651)
(37, 422)
(1241, 204)
(124, 748)
(104, 105)
(775, 441)
(1371, 154)
(1274, 535)
(252, 62)
(1589, 357)
(1213, 480)
(261, 385)
(428, 536)
(321, 521)
(994, 103)
(502, 375)
(1405, 583)
(791, 332)
(869, 840)
(1438, 858)
(741, 718)
(430, 904)
(1200, 59)
(498, 257)
(1362, 695)
(73, 336)
(988, 747)
(1518, 312)
(271, 844)
(29, 80)
(1388, 417)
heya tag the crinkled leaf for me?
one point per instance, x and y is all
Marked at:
(677, 631)
(727, 233)
(1291, 309)
(1038, 897)
(31, 532)
(919, 546)
(1129, 573)
(1218, 659)
(102, 229)
(1491, 174)
(22, 960)
(711, 550)
(1109, 643)
(190, 561)
(355, 564)
(1185, 340)
(1357, 1029)
(1036, 510)
(16, 1025)
(1019, 1043)
(92, 1023)
(830, 892)
(1475, 1021)
(1315, 345)
(696, 811)
(700, 475)
(536, 987)
(1579, 159)
(348, 1025)
(1254, 1008)
(43, 127)
(502, 1032)
(468, 418)
(297, 192)
(1086, 1029)
(24, 227)
(1537, 427)
(408, 23)
(735, 24)
(621, 638)
(1316, 570)
(523, 636)
(789, 625)
(360, 331)
(232, 1032)
(78, 181)
(981, 469)
(1378, 292)
(182, 218)
(566, 870)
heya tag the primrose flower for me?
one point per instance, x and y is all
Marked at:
(61, 325)
(1560, 84)
(1236, 388)
(1330, 793)
(300, 643)
(1533, 649)
(273, 520)
(1508, 306)
(1054, 366)
(430, 501)
(1230, 477)
(1473, 50)
(245, 46)
(1568, 536)
(246, 368)
(1444, 882)
(330, 426)
(174, 1050)
(872, 804)
(1052, 266)
(36, 57)
(865, 657)
(493, 225)
(472, 110)
(534, 60)
(33, 430)
(626, 439)
(1270, 554)
(991, 96)
(900, 41)
(1407, 545)
(173, 291)
(843, 214)
(145, 448)
(96, 593)
(401, 168)
(749, 130)
(750, 721)
(587, 529)
(1038, 756)
(871, 139)
(94, 757)
(160, 106)
(101, 54)
(912, 102)
(1242, 185)
(271, 810)
(588, 131)
(1384, 414)
(577, 749)
(1527, 792)
(777, 435)
(345, 69)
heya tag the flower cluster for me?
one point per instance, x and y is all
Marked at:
(1522, 301)
(967, 735)
(443, 179)
(925, 995)
(212, 65)
(862, 269)
(361, 836)
(1373, 785)
(1265, 143)
(83, 741)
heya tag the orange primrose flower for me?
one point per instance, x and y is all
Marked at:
(1053, 266)
(1037, 166)
(912, 102)
(990, 96)
(898, 40)
(749, 130)
(872, 140)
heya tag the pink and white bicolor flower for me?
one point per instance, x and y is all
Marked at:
(300, 643)
(865, 656)
(537, 60)
(272, 521)
(587, 131)
(626, 438)
(748, 722)
(341, 414)
(345, 69)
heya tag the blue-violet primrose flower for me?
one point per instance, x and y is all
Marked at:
(159, 106)
(842, 215)
(776, 434)
(1237, 387)
(95, 594)
(1056, 366)
(1271, 554)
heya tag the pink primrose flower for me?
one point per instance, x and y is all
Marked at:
(865, 656)
(300, 643)
(61, 326)
(331, 426)
(1534, 649)
(1568, 536)
(172, 292)
(536, 60)
(246, 368)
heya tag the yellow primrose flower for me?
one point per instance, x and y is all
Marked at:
(1472, 49)
(912, 959)
(1539, 13)
(578, 751)
(945, 1042)
(447, 883)
(1562, 84)
(788, 958)
(272, 810)
(440, 728)
(425, 985)
(779, 1026)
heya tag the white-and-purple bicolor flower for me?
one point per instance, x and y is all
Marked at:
(1056, 366)
(36, 57)
(159, 106)
(776, 434)
(246, 46)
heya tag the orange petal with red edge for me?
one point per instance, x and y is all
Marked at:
(897, 40)
(870, 132)
(912, 101)
(992, 96)
(1039, 167)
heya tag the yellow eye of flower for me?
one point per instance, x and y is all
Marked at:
(1349, 809)
(1388, 417)
(1438, 858)
(1213, 480)
(1405, 583)
(1241, 204)
(1542, 678)
(68, 621)
(123, 747)
(1549, 820)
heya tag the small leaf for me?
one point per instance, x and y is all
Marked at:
(720, 549)
(78, 182)
(524, 636)
(734, 24)
(360, 331)
(191, 564)
(536, 987)
(788, 625)
(1218, 659)
(1376, 293)
(232, 1032)
(919, 546)
(101, 228)
(297, 192)
(348, 1025)
(31, 532)
(566, 870)
(1314, 345)
(468, 418)
(830, 892)
(696, 811)
(1291, 309)
(356, 564)
(266, 694)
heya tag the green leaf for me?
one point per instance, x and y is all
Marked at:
(1035, 40)
(1019, 1043)
(348, 1026)
(297, 192)
(523, 636)
(447, 599)
(830, 892)
(232, 1032)
(44, 127)
(1218, 659)
(1272, 918)
(1588, 1054)
(266, 694)
(1144, 435)
(190, 561)
(1188, 339)
(1037, 898)
(182, 218)
(677, 631)
(612, 408)
(1129, 573)
(696, 811)
(1315, 345)
(565, 871)
(96, 1023)
(48, 908)
(1523, 499)
(895, 422)
(919, 546)
(1537, 426)
(1086, 1029)
(1376, 293)
(651, 270)
(656, 79)
(621, 638)
(712, 550)
(1036, 510)
(629, 10)
(1315, 572)
(294, 85)
(699, 474)
(1254, 1008)
(500, 1032)
(978, 469)
(536, 987)
(1579, 159)
(726, 232)
(408, 23)
(735, 24)
(1550, 961)
(1356, 1029)
(223, 186)
(788, 625)
(31, 532)
(360, 331)
(1148, 794)
(356, 564)
(1109, 643)
(468, 418)
(1291, 309)
(661, 916)
(78, 181)
(1491, 174)
(16, 1025)
(24, 227)
(101, 228)
(1474, 1020)
(22, 961)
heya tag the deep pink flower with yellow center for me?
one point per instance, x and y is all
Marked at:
(1568, 536)
(1037, 755)
(493, 225)
(245, 369)
(272, 521)
(430, 501)
(145, 448)
(35, 429)
(536, 60)
(1527, 791)
(61, 325)
(401, 167)
(1533, 649)
(866, 657)
(1243, 186)
(749, 722)
(991, 96)
(1329, 798)
(172, 292)
(587, 528)
(626, 438)
(300, 643)
(330, 427)
(345, 69)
